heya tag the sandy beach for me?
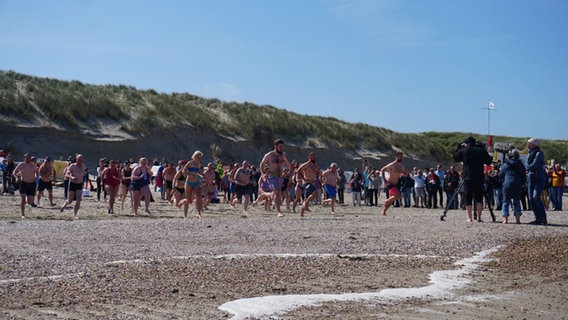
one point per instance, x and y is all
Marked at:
(356, 264)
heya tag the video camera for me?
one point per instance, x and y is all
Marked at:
(470, 141)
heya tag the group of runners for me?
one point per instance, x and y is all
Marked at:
(192, 183)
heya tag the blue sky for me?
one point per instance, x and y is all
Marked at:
(409, 66)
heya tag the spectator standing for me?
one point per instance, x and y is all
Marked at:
(558, 177)
(419, 189)
(432, 186)
(513, 175)
(441, 175)
(373, 188)
(451, 183)
(536, 180)
(341, 186)
(356, 185)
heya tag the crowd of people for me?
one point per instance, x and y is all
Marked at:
(276, 182)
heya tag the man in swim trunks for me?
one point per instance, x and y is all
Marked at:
(25, 173)
(395, 170)
(309, 172)
(45, 182)
(329, 179)
(75, 175)
(168, 177)
(273, 164)
(243, 186)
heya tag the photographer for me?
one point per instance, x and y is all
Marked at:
(474, 156)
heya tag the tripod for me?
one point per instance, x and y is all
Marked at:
(450, 201)
(458, 190)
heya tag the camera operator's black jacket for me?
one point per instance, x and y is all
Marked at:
(473, 157)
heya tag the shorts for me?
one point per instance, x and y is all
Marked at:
(309, 189)
(243, 190)
(75, 186)
(420, 192)
(169, 185)
(473, 190)
(27, 188)
(393, 190)
(43, 185)
(275, 182)
(331, 191)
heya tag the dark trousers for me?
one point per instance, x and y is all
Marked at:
(341, 195)
(373, 197)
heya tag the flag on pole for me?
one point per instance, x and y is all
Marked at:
(491, 105)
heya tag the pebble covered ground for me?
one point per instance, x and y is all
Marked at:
(166, 267)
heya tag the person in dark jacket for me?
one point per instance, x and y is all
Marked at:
(474, 156)
(536, 179)
(513, 176)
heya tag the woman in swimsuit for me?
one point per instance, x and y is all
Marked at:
(125, 184)
(140, 185)
(111, 177)
(179, 189)
(193, 175)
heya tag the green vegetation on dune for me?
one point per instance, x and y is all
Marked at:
(71, 104)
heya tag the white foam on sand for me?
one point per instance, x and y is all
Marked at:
(442, 285)
(46, 278)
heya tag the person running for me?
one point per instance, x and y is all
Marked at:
(45, 182)
(309, 172)
(140, 185)
(232, 184)
(193, 175)
(126, 174)
(179, 188)
(298, 189)
(264, 192)
(330, 178)
(168, 178)
(210, 183)
(395, 170)
(25, 173)
(273, 164)
(243, 186)
(75, 173)
(112, 178)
